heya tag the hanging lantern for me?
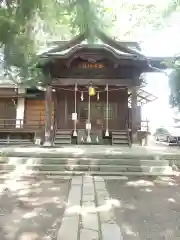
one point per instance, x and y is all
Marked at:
(92, 91)
(98, 96)
(82, 96)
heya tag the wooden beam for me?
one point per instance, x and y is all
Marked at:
(134, 114)
(48, 118)
(100, 82)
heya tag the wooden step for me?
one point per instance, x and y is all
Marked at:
(119, 133)
(120, 136)
(63, 137)
(59, 136)
(62, 141)
(64, 132)
(121, 141)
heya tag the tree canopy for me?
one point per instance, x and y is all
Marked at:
(174, 77)
(27, 25)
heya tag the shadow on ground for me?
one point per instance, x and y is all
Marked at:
(32, 210)
(148, 208)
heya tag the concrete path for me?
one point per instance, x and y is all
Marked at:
(90, 213)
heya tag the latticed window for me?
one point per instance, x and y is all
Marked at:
(98, 111)
(110, 112)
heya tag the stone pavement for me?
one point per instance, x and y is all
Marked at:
(90, 212)
(91, 208)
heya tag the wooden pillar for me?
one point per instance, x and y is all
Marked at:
(48, 117)
(134, 115)
(147, 134)
(20, 107)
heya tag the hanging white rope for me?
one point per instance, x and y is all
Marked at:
(82, 96)
(97, 96)
(75, 111)
(89, 120)
(107, 112)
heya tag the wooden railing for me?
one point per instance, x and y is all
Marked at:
(19, 124)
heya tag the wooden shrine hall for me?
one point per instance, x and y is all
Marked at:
(91, 94)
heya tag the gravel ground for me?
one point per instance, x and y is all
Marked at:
(149, 209)
(32, 210)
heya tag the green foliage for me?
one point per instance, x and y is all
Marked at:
(174, 83)
(172, 7)
(174, 77)
(24, 23)
(161, 130)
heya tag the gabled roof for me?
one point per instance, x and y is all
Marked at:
(125, 50)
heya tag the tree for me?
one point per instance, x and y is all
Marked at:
(17, 41)
(27, 25)
(24, 23)
(174, 76)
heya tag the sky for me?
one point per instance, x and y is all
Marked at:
(163, 43)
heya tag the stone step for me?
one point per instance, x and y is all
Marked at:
(34, 174)
(60, 155)
(86, 168)
(86, 161)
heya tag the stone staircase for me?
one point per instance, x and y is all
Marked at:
(55, 164)
(62, 137)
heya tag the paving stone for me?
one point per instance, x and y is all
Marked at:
(69, 228)
(88, 207)
(98, 179)
(100, 185)
(74, 199)
(86, 234)
(115, 177)
(111, 231)
(90, 221)
(77, 180)
(87, 179)
(88, 197)
(88, 189)
(89, 204)
(102, 196)
(107, 216)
